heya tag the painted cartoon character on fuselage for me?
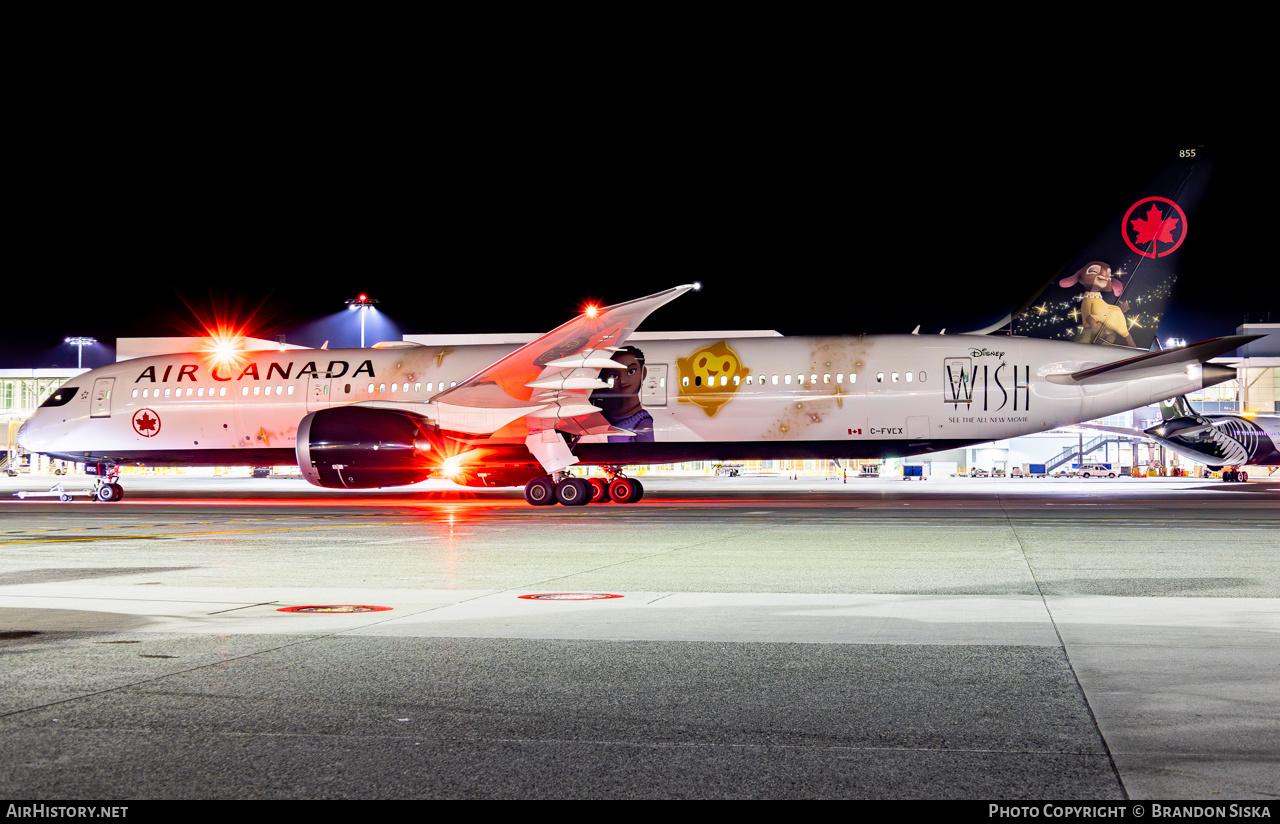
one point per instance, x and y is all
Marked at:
(620, 404)
(1101, 321)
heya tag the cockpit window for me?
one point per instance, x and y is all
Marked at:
(59, 397)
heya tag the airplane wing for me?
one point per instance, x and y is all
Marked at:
(547, 382)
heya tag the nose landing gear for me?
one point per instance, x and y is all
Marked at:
(108, 490)
(108, 493)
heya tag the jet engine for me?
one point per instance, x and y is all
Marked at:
(354, 447)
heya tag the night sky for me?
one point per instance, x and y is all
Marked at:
(813, 231)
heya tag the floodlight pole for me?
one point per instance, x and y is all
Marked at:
(80, 343)
(362, 304)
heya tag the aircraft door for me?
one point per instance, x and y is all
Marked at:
(318, 393)
(654, 390)
(102, 397)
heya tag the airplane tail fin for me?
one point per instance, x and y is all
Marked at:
(1114, 291)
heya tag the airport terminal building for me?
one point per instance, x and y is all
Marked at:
(1256, 390)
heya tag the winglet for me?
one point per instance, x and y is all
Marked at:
(604, 328)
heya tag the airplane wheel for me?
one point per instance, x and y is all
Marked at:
(625, 490)
(1244, 476)
(540, 492)
(573, 492)
(599, 490)
(108, 493)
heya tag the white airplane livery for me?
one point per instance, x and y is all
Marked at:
(582, 394)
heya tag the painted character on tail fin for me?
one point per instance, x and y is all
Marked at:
(1101, 322)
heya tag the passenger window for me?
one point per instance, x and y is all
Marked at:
(879, 377)
(922, 377)
(908, 377)
(135, 393)
(895, 377)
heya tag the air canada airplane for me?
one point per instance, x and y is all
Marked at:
(1214, 440)
(493, 416)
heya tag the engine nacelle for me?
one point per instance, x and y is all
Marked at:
(355, 447)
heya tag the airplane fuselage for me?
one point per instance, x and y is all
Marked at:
(774, 397)
(1222, 440)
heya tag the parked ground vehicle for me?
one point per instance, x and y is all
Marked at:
(1097, 470)
(979, 473)
(910, 473)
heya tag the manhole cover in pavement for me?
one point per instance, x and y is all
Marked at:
(569, 596)
(330, 608)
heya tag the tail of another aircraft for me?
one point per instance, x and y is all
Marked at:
(1114, 292)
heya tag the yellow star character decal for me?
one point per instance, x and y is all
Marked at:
(707, 376)
(264, 435)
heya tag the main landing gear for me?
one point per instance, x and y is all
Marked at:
(571, 491)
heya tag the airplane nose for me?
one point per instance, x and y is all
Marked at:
(22, 431)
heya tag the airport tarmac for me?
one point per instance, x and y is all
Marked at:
(766, 638)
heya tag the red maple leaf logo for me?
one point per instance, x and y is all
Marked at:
(145, 423)
(1155, 227)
